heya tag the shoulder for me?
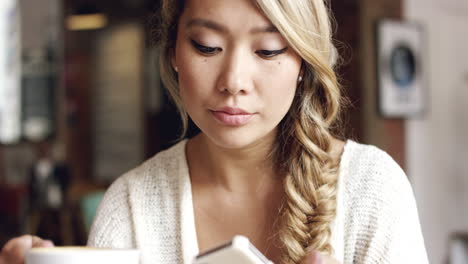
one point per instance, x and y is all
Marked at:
(165, 160)
(374, 189)
(156, 178)
(167, 163)
(365, 165)
(356, 154)
(372, 185)
(379, 211)
(137, 198)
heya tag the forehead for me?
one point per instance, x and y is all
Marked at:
(233, 14)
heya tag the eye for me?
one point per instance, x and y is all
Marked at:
(204, 49)
(271, 53)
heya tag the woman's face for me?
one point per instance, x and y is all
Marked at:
(237, 75)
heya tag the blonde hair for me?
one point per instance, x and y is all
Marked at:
(303, 147)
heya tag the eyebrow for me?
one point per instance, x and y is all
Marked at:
(200, 22)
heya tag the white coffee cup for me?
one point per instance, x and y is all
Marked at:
(81, 255)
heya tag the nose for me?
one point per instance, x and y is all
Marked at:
(236, 74)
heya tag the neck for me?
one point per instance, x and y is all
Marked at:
(245, 170)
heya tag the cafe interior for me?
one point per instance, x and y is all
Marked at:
(82, 102)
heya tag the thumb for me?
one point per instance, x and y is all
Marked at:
(313, 257)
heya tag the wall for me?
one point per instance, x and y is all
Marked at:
(39, 22)
(117, 101)
(387, 134)
(437, 144)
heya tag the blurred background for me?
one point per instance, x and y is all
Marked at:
(81, 102)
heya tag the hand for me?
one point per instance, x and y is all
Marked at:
(315, 257)
(14, 251)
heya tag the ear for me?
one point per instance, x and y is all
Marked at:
(173, 60)
(302, 70)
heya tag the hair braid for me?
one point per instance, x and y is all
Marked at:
(310, 190)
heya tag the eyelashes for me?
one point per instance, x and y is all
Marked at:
(209, 51)
(271, 53)
(204, 49)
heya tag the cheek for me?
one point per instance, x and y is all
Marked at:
(194, 77)
(280, 97)
(279, 91)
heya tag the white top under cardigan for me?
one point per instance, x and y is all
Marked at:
(150, 208)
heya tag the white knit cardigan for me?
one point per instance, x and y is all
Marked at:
(150, 208)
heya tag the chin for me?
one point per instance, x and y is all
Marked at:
(236, 138)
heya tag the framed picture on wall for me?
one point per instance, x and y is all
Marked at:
(402, 86)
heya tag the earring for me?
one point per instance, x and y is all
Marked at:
(299, 79)
(176, 69)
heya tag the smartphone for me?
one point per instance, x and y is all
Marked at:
(238, 250)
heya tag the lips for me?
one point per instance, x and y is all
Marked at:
(232, 116)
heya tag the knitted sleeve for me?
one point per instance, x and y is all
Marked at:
(382, 223)
(113, 225)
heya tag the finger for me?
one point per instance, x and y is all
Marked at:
(313, 257)
(14, 250)
(39, 242)
(46, 244)
(17, 244)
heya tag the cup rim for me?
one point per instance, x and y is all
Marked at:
(78, 249)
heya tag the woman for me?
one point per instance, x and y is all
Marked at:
(257, 78)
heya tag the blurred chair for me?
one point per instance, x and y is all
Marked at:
(88, 206)
(84, 199)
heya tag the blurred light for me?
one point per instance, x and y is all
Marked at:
(10, 72)
(86, 21)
